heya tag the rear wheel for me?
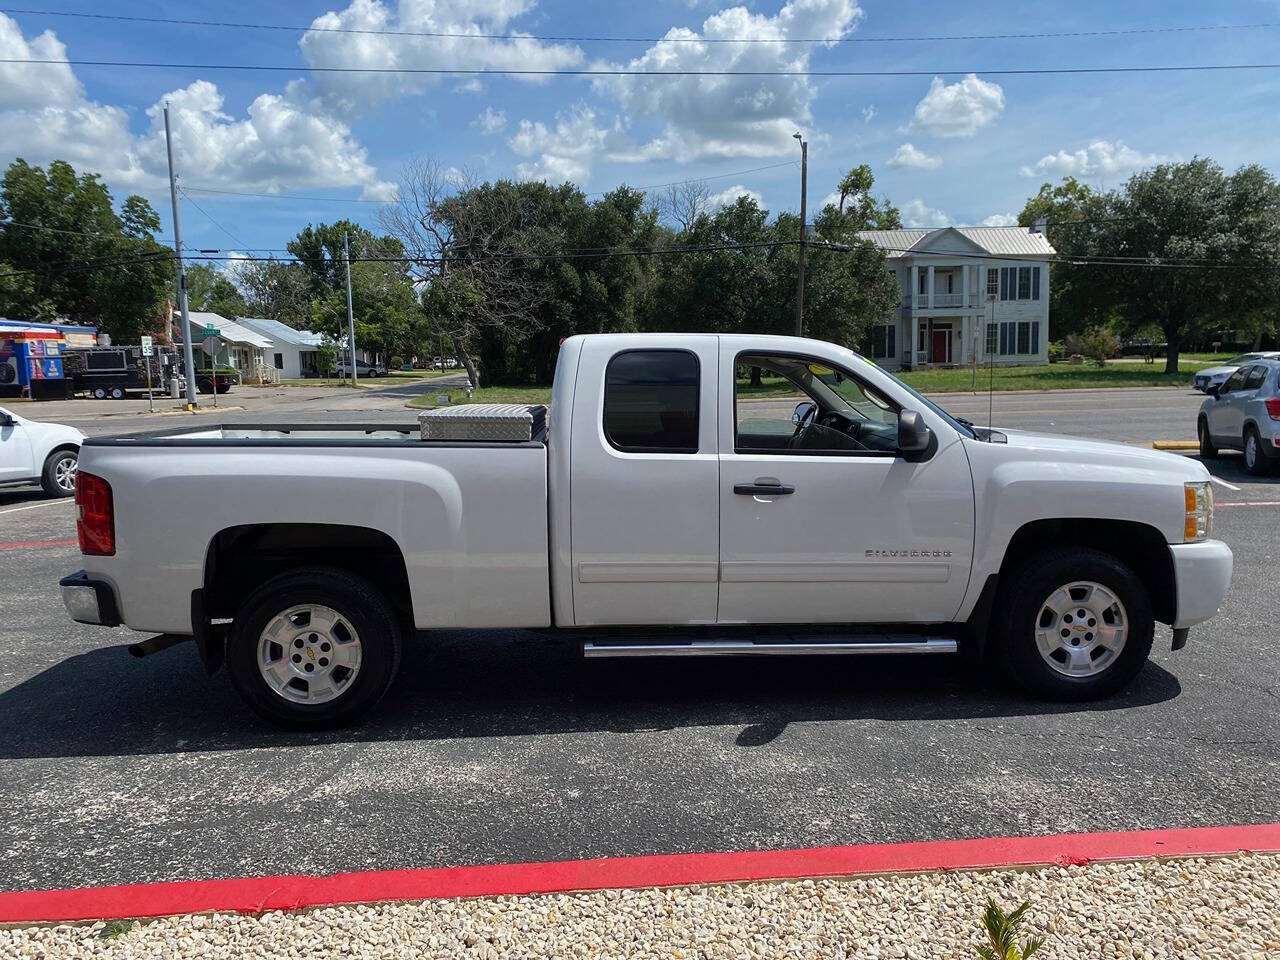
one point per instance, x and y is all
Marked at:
(117, 393)
(204, 385)
(314, 648)
(1207, 449)
(99, 393)
(59, 475)
(1076, 624)
(1255, 461)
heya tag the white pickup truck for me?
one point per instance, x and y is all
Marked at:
(664, 492)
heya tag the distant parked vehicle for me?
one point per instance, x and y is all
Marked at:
(43, 453)
(1244, 414)
(112, 372)
(225, 379)
(1217, 376)
(363, 369)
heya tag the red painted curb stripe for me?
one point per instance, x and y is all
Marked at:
(258, 894)
(35, 544)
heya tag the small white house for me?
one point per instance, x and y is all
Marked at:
(293, 353)
(242, 348)
(968, 293)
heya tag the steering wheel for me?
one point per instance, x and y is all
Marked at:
(802, 425)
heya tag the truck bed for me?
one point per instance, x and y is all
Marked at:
(469, 518)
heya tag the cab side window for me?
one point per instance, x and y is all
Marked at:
(1254, 377)
(651, 401)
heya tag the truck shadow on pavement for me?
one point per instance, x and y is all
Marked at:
(488, 684)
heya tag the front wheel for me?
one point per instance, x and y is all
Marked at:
(1076, 624)
(59, 475)
(1207, 449)
(314, 648)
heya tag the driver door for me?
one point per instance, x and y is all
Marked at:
(855, 532)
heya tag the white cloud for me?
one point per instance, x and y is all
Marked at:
(908, 155)
(349, 92)
(916, 214)
(958, 109)
(726, 198)
(1099, 157)
(27, 87)
(729, 117)
(491, 121)
(282, 142)
(869, 113)
(565, 151)
(1000, 220)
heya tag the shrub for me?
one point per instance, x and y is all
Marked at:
(1002, 934)
(1099, 345)
(397, 362)
(1057, 350)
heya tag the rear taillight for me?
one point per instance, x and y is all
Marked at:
(1273, 407)
(95, 516)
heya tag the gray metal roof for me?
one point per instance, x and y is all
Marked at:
(995, 241)
(230, 330)
(281, 332)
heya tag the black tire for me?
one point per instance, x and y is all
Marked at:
(1257, 462)
(204, 385)
(117, 393)
(54, 475)
(99, 393)
(1207, 449)
(223, 387)
(357, 601)
(1022, 601)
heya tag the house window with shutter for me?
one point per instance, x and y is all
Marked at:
(993, 282)
(1024, 283)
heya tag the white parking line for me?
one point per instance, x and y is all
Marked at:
(1229, 486)
(32, 506)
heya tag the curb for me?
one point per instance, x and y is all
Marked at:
(1175, 445)
(261, 894)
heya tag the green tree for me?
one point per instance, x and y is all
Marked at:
(1068, 210)
(210, 289)
(857, 203)
(1198, 249)
(275, 290)
(77, 257)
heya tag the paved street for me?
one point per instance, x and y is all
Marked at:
(506, 746)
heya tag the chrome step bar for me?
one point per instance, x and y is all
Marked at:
(874, 643)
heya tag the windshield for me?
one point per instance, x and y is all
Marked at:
(1241, 360)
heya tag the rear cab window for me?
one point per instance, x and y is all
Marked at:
(651, 401)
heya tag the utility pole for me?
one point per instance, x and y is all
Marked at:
(804, 187)
(188, 353)
(351, 320)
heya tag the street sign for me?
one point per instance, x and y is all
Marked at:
(147, 349)
(210, 330)
(212, 344)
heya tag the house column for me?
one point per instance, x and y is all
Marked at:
(929, 287)
(909, 349)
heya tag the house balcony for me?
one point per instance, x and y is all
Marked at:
(925, 303)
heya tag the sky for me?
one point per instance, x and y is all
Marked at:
(955, 143)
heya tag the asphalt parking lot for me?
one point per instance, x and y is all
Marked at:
(506, 746)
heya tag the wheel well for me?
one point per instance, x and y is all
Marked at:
(1141, 547)
(75, 447)
(240, 559)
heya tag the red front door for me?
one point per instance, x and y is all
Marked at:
(941, 346)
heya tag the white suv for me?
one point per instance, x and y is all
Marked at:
(43, 453)
(1244, 414)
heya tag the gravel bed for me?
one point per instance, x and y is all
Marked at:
(1228, 907)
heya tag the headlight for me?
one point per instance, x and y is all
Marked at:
(1199, 518)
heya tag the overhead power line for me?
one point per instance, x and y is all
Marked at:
(622, 72)
(471, 35)
(208, 216)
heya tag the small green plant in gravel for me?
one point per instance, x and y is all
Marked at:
(115, 928)
(1002, 934)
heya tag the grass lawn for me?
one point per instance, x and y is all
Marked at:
(522, 394)
(324, 382)
(1056, 376)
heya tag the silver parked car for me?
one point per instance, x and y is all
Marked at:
(1217, 376)
(1244, 414)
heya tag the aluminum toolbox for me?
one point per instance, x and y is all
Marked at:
(491, 422)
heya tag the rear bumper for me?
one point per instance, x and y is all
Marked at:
(1201, 573)
(89, 600)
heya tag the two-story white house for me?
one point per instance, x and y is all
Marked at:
(967, 293)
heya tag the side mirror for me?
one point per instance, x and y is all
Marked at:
(913, 434)
(1213, 390)
(804, 410)
(6, 420)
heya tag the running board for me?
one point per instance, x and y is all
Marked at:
(874, 643)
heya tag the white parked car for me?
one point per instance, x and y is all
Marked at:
(363, 369)
(654, 513)
(1217, 376)
(43, 453)
(1244, 414)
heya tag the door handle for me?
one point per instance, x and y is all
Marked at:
(763, 489)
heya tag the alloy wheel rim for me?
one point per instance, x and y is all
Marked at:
(1251, 449)
(1081, 629)
(64, 473)
(309, 654)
